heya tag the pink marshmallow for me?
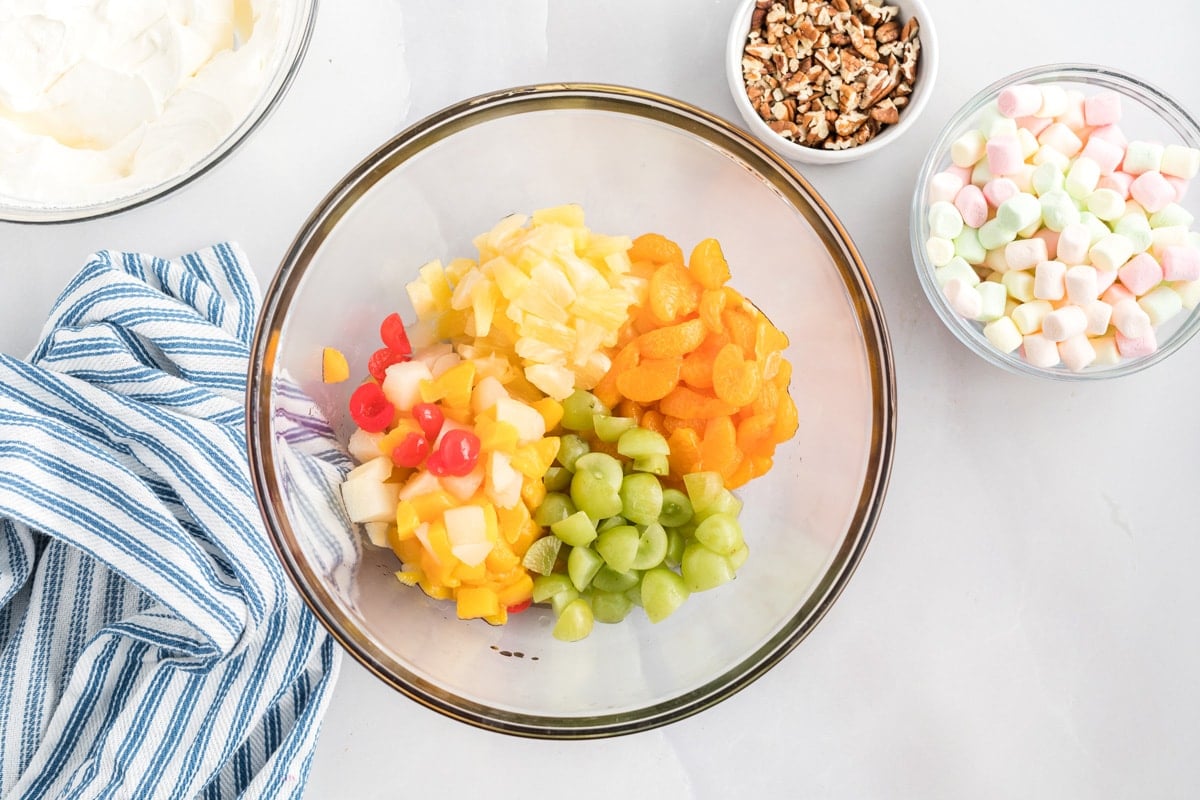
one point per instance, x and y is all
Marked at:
(962, 172)
(1004, 154)
(1141, 273)
(1102, 108)
(1051, 239)
(1116, 293)
(1034, 125)
(997, 190)
(1062, 139)
(1152, 191)
(1022, 100)
(1180, 263)
(1136, 347)
(1119, 182)
(973, 206)
(1104, 153)
(1180, 185)
(1109, 133)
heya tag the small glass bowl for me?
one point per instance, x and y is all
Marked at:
(635, 162)
(1149, 115)
(300, 18)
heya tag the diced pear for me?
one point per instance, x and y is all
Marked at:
(472, 554)
(464, 487)
(363, 446)
(529, 423)
(402, 383)
(486, 393)
(423, 482)
(377, 533)
(465, 525)
(370, 500)
(377, 468)
(503, 481)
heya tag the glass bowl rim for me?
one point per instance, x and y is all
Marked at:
(263, 108)
(1167, 109)
(410, 142)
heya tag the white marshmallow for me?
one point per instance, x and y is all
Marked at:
(1048, 283)
(1106, 204)
(1063, 323)
(964, 298)
(1025, 253)
(1189, 293)
(1058, 210)
(1027, 142)
(1081, 283)
(1028, 316)
(1003, 334)
(1099, 314)
(968, 149)
(1062, 139)
(981, 174)
(1054, 101)
(995, 260)
(1097, 227)
(1073, 243)
(1130, 319)
(939, 250)
(999, 126)
(1040, 351)
(944, 187)
(1047, 177)
(955, 269)
(1111, 252)
(1019, 284)
(1077, 352)
(1107, 354)
(1180, 162)
(1161, 304)
(1167, 235)
(945, 221)
(1050, 155)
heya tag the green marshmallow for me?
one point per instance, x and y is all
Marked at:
(968, 248)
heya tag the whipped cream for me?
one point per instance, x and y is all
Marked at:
(101, 99)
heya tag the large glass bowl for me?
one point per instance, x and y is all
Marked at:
(636, 162)
(280, 65)
(1148, 114)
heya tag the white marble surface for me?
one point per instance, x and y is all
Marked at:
(1023, 622)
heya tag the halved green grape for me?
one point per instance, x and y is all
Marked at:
(738, 557)
(726, 502)
(575, 621)
(676, 541)
(555, 507)
(634, 593)
(563, 599)
(609, 429)
(639, 442)
(703, 489)
(655, 465)
(611, 522)
(652, 547)
(720, 533)
(570, 448)
(663, 592)
(703, 569)
(610, 607)
(542, 555)
(618, 546)
(576, 530)
(596, 484)
(676, 509)
(609, 580)
(557, 479)
(641, 498)
(582, 565)
(579, 409)
(546, 586)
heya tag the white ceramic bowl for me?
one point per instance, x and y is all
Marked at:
(927, 66)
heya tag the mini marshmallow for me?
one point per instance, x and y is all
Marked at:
(1058, 211)
(1119, 182)
(1161, 304)
(1115, 294)
(1180, 263)
(1027, 142)
(1051, 239)
(1050, 155)
(993, 296)
(964, 298)
(968, 248)
(1034, 125)
(939, 250)
(1047, 178)
(944, 186)
(1054, 101)
(992, 234)
(1004, 154)
(1028, 316)
(1022, 100)
(1142, 157)
(1104, 279)
(1003, 334)
(1010, 306)
(1040, 351)
(955, 269)
(1141, 273)
(1095, 225)
(1061, 139)
(1025, 253)
(980, 174)
(1179, 185)
(1077, 353)
(1082, 178)
(1073, 116)
(963, 173)
(1081, 284)
(1130, 320)
(1171, 214)
(1189, 293)
(997, 190)
(1106, 155)
(1102, 108)
(1106, 204)
(1000, 126)
(1136, 346)
(1063, 323)
(1023, 178)
(1019, 212)
(1152, 191)
(944, 220)
(968, 149)
(1073, 243)
(1028, 231)
(972, 205)
(1049, 280)
(1107, 354)
(1019, 284)
(1180, 162)
(1136, 228)
(1110, 133)
(1167, 235)
(1111, 252)
(1099, 314)
(995, 261)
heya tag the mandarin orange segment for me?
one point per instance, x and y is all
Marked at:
(718, 448)
(697, 370)
(656, 248)
(767, 401)
(708, 265)
(753, 431)
(735, 380)
(673, 424)
(685, 451)
(685, 402)
(606, 390)
(787, 420)
(712, 303)
(654, 421)
(742, 475)
(742, 328)
(673, 293)
(762, 464)
(628, 408)
(652, 379)
(672, 341)
(768, 339)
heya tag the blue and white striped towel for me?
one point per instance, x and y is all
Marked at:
(150, 644)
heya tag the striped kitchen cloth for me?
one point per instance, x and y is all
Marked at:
(150, 643)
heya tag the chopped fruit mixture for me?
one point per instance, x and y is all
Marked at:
(563, 424)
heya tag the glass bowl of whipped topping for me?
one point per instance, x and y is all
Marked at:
(106, 106)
